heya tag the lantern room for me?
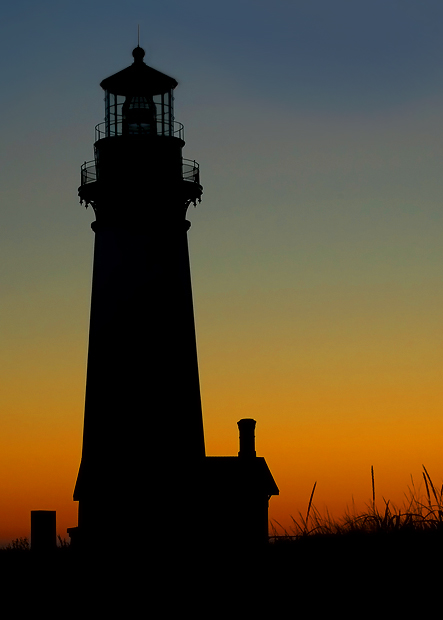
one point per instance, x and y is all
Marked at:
(138, 147)
(138, 101)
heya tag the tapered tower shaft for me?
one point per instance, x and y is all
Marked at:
(143, 424)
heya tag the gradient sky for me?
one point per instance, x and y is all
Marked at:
(316, 253)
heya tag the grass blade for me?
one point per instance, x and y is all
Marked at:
(309, 505)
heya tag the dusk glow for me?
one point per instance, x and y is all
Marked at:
(316, 254)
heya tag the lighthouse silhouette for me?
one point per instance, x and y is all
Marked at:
(143, 467)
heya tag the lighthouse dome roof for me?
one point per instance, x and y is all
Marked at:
(138, 79)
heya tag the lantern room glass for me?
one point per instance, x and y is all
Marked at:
(139, 114)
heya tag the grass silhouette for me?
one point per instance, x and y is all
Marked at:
(18, 544)
(420, 513)
(387, 558)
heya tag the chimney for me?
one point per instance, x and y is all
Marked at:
(246, 426)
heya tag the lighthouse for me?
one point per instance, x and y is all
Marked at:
(143, 466)
(143, 421)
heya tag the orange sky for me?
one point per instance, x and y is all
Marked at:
(316, 253)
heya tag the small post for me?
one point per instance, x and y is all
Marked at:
(43, 531)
